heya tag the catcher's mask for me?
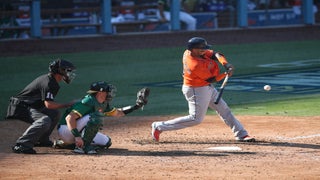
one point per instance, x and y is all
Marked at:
(64, 68)
(198, 43)
(102, 86)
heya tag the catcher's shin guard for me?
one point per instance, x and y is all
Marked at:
(91, 129)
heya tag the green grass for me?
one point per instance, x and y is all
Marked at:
(304, 106)
(126, 69)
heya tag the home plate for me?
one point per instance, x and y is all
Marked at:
(225, 148)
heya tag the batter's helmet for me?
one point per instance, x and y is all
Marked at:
(102, 86)
(64, 68)
(198, 43)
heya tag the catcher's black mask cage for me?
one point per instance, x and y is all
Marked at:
(102, 86)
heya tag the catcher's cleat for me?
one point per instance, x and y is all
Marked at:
(246, 138)
(155, 133)
(109, 143)
(105, 147)
(86, 150)
(59, 144)
(18, 148)
(78, 150)
(90, 149)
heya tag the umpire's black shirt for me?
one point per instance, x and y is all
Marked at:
(43, 88)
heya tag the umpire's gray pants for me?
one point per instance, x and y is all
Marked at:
(44, 121)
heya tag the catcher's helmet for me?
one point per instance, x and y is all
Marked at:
(198, 43)
(64, 68)
(102, 86)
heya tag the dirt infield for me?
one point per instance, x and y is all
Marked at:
(287, 147)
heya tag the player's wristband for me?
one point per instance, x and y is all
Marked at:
(111, 113)
(129, 109)
(75, 132)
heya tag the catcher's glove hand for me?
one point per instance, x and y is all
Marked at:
(142, 96)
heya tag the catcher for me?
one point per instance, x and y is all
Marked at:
(80, 124)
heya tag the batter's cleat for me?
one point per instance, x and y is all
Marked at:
(246, 138)
(155, 133)
(21, 149)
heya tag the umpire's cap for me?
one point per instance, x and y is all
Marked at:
(198, 43)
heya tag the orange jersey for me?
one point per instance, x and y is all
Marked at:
(197, 70)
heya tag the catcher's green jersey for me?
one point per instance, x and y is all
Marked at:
(87, 105)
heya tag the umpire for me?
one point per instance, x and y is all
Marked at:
(35, 105)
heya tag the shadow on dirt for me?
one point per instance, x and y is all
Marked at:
(286, 144)
(223, 142)
(181, 153)
(176, 153)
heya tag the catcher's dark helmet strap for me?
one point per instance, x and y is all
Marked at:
(102, 86)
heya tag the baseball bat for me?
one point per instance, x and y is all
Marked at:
(221, 89)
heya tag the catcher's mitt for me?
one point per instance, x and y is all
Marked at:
(142, 96)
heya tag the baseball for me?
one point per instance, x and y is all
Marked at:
(267, 87)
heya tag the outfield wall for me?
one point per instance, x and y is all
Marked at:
(154, 40)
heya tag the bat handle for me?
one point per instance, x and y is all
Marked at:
(222, 89)
(219, 97)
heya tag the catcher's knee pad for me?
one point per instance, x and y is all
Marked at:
(91, 129)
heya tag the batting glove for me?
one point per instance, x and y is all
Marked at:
(229, 68)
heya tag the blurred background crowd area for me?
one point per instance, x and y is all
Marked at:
(187, 5)
(209, 13)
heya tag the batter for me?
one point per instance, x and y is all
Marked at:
(200, 70)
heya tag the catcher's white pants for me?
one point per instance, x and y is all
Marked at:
(199, 99)
(184, 17)
(68, 138)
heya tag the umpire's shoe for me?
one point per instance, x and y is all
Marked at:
(18, 148)
(44, 144)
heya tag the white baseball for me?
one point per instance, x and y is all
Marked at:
(267, 87)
